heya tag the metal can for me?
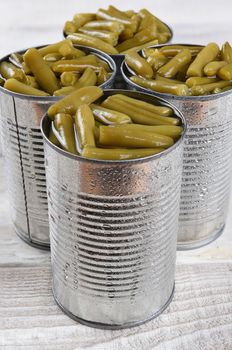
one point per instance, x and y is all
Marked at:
(113, 230)
(24, 158)
(207, 164)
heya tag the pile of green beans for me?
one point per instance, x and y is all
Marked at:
(114, 31)
(118, 128)
(183, 70)
(53, 70)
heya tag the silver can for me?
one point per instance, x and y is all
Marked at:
(24, 158)
(207, 164)
(113, 230)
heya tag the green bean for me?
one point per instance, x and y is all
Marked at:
(52, 57)
(112, 14)
(64, 125)
(226, 72)
(226, 88)
(148, 21)
(206, 55)
(52, 138)
(207, 88)
(21, 88)
(88, 78)
(83, 39)
(80, 19)
(66, 49)
(168, 80)
(161, 86)
(112, 26)
(139, 38)
(26, 69)
(200, 81)
(129, 13)
(103, 64)
(70, 103)
(213, 67)
(173, 50)
(172, 131)
(138, 64)
(170, 69)
(54, 48)
(42, 72)
(69, 78)
(102, 76)
(123, 137)
(64, 91)
(84, 123)
(16, 59)
(78, 64)
(30, 80)
(109, 37)
(155, 58)
(109, 116)
(145, 106)
(96, 132)
(126, 34)
(227, 52)
(136, 113)
(162, 27)
(70, 27)
(9, 70)
(163, 37)
(140, 47)
(119, 154)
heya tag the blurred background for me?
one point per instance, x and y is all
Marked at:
(26, 23)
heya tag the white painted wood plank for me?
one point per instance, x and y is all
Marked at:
(201, 313)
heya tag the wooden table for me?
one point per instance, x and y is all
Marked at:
(200, 316)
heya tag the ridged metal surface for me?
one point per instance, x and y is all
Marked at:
(11, 154)
(207, 165)
(24, 154)
(113, 228)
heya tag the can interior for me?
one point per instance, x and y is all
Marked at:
(46, 122)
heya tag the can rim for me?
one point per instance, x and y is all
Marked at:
(109, 92)
(125, 73)
(97, 52)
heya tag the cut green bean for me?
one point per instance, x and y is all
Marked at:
(70, 103)
(206, 55)
(21, 88)
(42, 72)
(119, 154)
(84, 123)
(123, 137)
(109, 116)
(64, 125)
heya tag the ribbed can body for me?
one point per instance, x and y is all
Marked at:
(207, 164)
(24, 158)
(24, 164)
(113, 230)
(207, 168)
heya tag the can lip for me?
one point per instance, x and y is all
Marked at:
(109, 92)
(123, 55)
(88, 49)
(126, 73)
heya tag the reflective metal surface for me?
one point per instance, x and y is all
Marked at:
(24, 158)
(113, 229)
(207, 164)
